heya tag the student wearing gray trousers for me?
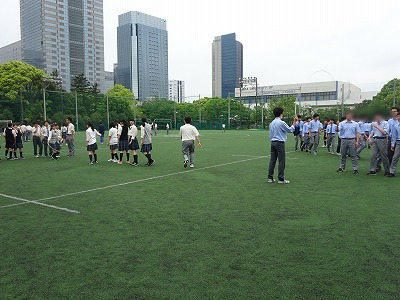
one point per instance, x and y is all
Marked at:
(349, 132)
(395, 147)
(379, 142)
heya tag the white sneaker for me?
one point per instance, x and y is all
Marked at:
(192, 166)
(271, 180)
(110, 160)
(114, 161)
(284, 182)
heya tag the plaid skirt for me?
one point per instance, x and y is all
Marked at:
(19, 145)
(114, 147)
(55, 146)
(146, 148)
(123, 145)
(92, 147)
(134, 145)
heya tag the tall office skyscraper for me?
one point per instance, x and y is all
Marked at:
(64, 35)
(227, 64)
(143, 55)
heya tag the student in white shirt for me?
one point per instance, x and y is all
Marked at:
(155, 129)
(37, 142)
(54, 142)
(223, 128)
(113, 142)
(133, 142)
(167, 128)
(189, 134)
(91, 142)
(70, 137)
(45, 137)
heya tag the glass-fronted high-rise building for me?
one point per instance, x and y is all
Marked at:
(66, 36)
(227, 65)
(143, 55)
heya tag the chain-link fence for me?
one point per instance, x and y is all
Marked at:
(56, 106)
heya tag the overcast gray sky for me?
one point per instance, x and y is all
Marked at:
(285, 41)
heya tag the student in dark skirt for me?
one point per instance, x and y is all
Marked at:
(146, 141)
(91, 143)
(113, 142)
(10, 136)
(18, 143)
(123, 141)
(133, 142)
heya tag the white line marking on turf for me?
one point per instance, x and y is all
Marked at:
(148, 179)
(25, 201)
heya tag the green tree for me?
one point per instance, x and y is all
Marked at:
(80, 84)
(383, 101)
(119, 90)
(287, 103)
(17, 76)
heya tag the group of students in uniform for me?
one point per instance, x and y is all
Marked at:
(382, 136)
(122, 137)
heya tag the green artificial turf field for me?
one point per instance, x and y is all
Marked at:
(217, 232)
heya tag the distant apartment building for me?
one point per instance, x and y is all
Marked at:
(143, 55)
(64, 35)
(10, 52)
(177, 91)
(227, 65)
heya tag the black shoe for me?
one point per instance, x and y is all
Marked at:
(386, 174)
(371, 173)
(390, 175)
(185, 163)
(355, 172)
(378, 170)
(151, 163)
(340, 170)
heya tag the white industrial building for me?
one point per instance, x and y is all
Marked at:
(323, 94)
(176, 91)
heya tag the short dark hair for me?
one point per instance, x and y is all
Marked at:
(131, 120)
(9, 124)
(396, 108)
(315, 116)
(69, 119)
(278, 111)
(144, 120)
(188, 120)
(112, 124)
(299, 116)
(342, 118)
(332, 119)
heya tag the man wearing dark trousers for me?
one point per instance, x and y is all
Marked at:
(278, 130)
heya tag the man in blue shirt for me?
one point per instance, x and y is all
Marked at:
(379, 140)
(365, 129)
(349, 132)
(278, 130)
(298, 133)
(306, 139)
(395, 146)
(314, 133)
(392, 122)
(331, 130)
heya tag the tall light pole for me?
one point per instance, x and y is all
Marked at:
(394, 92)
(46, 84)
(175, 112)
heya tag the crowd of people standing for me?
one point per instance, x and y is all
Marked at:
(352, 134)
